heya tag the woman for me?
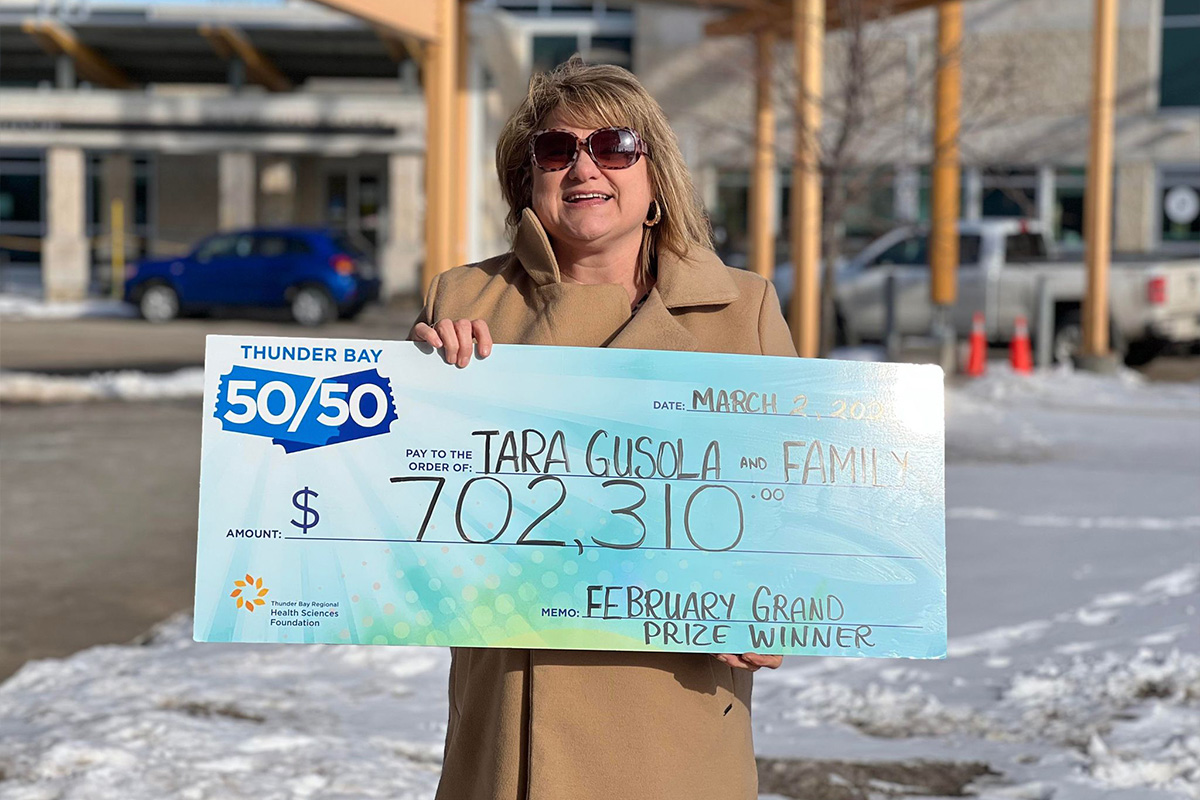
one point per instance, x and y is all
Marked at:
(611, 248)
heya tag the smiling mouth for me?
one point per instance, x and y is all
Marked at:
(580, 197)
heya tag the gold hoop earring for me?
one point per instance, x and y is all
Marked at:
(650, 223)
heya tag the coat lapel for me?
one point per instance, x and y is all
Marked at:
(654, 327)
(696, 281)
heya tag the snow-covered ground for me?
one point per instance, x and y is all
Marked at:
(37, 387)
(18, 305)
(1073, 537)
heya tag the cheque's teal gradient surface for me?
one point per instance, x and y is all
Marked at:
(875, 544)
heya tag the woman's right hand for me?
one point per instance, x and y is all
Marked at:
(456, 338)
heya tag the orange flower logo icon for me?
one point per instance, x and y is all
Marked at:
(249, 585)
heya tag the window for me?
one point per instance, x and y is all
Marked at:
(870, 203)
(138, 214)
(22, 220)
(731, 214)
(968, 248)
(1179, 214)
(1009, 193)
(238, 246)
(913, 250)
(271, 246)
(1024, 247)
(1068, 207)
(1179, 78)
(617, 50)
(550, 51)
(20, 197)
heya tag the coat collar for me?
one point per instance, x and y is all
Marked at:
(698, 280)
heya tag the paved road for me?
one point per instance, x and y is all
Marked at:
(97, 523)
(98, 501)
(85, 345)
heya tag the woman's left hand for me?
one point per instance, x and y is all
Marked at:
(751, 661)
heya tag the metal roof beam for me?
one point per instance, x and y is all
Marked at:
(229, 43)
(57, 39)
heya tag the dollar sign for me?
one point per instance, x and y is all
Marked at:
(300, 501)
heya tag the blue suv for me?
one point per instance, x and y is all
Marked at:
(319, 275)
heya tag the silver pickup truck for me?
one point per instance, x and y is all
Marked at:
(1005, 266)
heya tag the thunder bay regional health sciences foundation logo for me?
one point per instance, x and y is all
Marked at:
(245, 592)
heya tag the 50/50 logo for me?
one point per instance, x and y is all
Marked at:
(299, 412)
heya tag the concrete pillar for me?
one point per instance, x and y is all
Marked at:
(64, 71)
(277, 187)
(972, 193)
(116, 182)
(402, 253)
(66, 256)
(1136, 186)
(906, 198)
(307, 201)
(236, 178)
(1045, 199)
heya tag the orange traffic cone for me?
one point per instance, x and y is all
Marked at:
(1020, 354)
(977, 357)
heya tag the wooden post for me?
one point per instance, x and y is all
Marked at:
(1097, 204)
(947, 183)
(439, 143)
(808, 21)
(762, 184)
(462, 138)
(116, 232)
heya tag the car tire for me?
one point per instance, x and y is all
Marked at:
(158, 303)
(1068, 336)
(312, 306)
(1139, 354)
(353, 311)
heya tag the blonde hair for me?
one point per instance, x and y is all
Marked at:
(600, 95)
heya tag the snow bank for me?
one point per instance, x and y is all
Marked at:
(35, 387)
(19, 306)
(1068, 389)
(176, 719)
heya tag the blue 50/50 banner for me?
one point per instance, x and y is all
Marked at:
(366, 492)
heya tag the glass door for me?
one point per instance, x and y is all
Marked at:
(355, 203)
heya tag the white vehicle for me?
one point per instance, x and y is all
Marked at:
(1003, 266)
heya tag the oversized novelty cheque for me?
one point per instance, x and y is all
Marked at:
(366, 492)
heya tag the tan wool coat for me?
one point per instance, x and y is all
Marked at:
(584, 725)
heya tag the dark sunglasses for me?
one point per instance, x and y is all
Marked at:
(553, 150)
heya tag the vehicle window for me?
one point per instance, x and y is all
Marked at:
(298, 247)
(968, 248)
(277, 244)
(271, 246)
(1024, 247)
(913, 250)
(216, 247)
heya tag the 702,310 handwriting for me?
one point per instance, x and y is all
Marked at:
(630, 510)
